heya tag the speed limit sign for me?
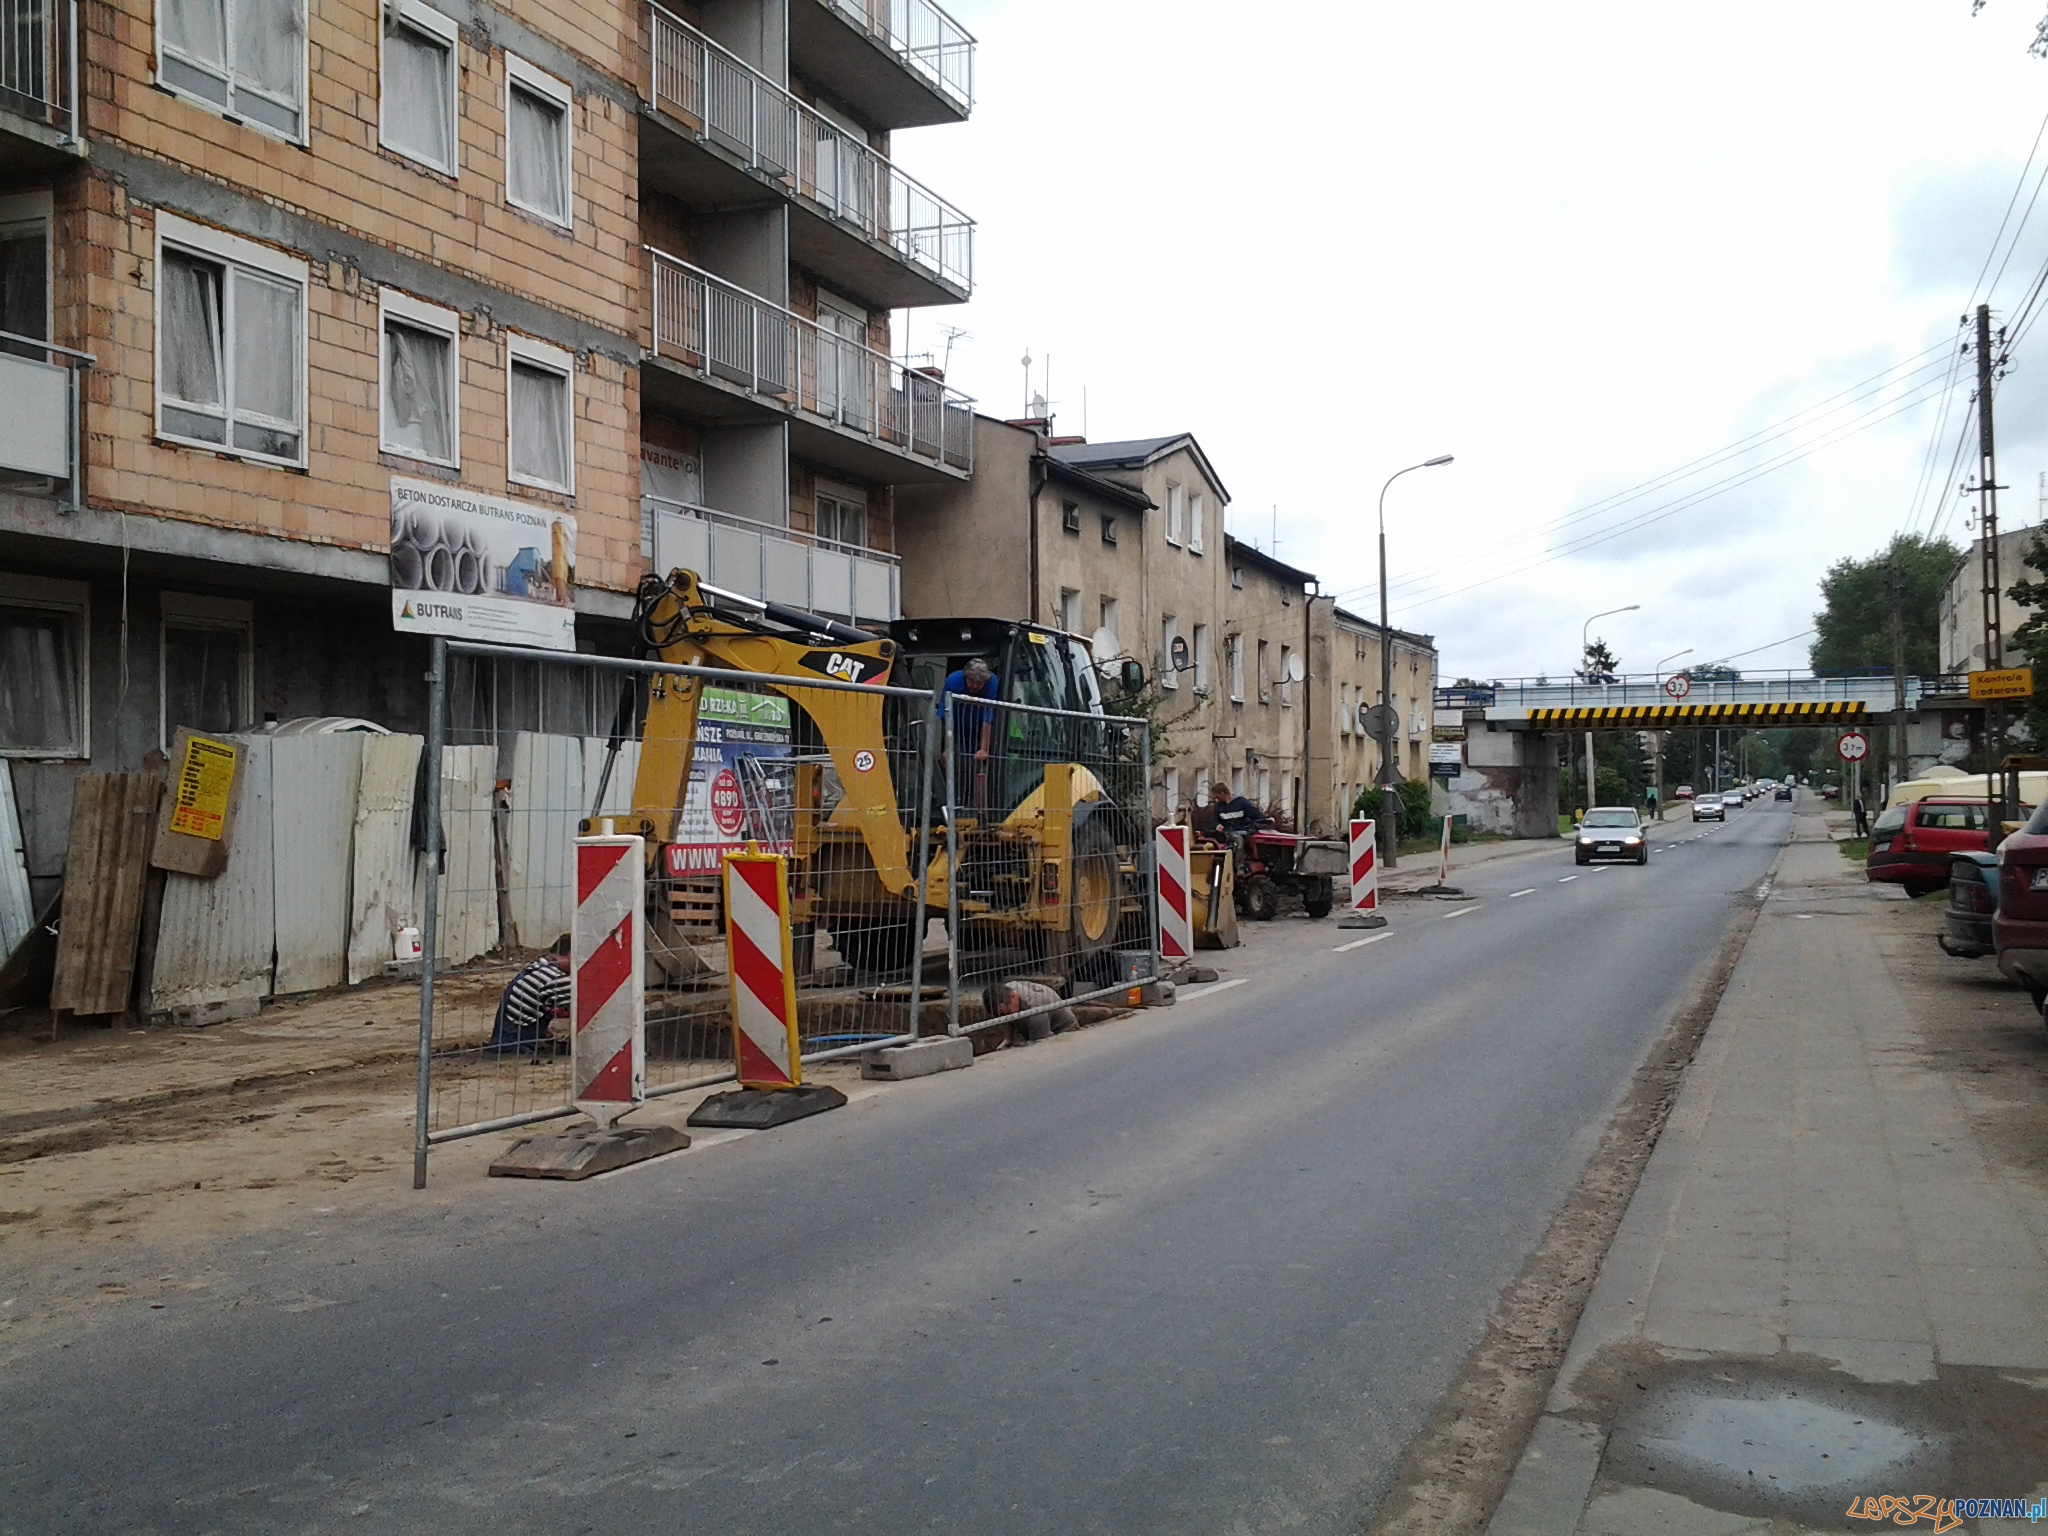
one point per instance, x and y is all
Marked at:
(1853, 747)
(1678, 685)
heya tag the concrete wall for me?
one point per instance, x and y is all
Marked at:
(966, 548)
(1962, 602)
(1262, 739)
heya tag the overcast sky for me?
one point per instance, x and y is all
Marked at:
(1579, 247)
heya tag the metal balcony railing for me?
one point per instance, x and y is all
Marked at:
(930, 43)
(39, 62)
(773, 564)
(724, 100)
(40, 417)
(720, 331)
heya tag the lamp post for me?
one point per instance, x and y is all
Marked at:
(1390, 797)
(1657, 753)
(1585, 639)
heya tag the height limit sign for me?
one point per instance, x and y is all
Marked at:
(1854, 747)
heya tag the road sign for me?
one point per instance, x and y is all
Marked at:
(1377, 719)
(1854, 747)
(2006, 683)
(1678, 685)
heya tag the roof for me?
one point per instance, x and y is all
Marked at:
(1112, 490)
(1422, 642)
(1237, 550)
(1137, 453)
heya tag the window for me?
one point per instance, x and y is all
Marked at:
(1286, 682)
(230, 344)
(206, 675)
(536, 141)
(1265, 795)
(540, 403)
(1201, 644)
(1237, 577)
(25, 271)
(416, 96)
(1070, 610)
(1108, 529)
(1172, 513)
(1171, 776)
(1237, 781)
(1070, 516)
(1195, 505)
(43, 667)
(422, 350)
(1106, 618)
(1233, 660)
(1169, 631)
(246, 58)
(843, 514)
(1265, 677)
(1344, 709)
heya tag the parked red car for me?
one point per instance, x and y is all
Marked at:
(1911, 844)
(2019, 926)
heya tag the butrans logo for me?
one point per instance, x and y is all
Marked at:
(426, 610)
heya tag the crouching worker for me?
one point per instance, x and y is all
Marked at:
(532, 1001)
(1012, 997)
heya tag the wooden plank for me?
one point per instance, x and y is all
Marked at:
(315, 781)
(381, 902)
(204, 797)
(113, 824)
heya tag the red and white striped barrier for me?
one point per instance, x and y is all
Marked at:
(1365, 867)
(607, 957)
(1176, 919)
(763, 975)
(1443, 860)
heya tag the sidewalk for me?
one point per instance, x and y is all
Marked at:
(1832, 1281)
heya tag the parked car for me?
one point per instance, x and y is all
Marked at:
(1911, 844)
(1683, 792)
(1972, 900)
(1611, 832)
(1784, 792)
(1831, 792)
(1709, 808)
(2019, 925)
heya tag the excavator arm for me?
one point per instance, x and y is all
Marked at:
(683, 622)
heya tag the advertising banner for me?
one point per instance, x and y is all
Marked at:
(481, 567)
(742, 784)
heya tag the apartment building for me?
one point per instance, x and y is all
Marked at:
(1267, 717)
(1344, 676)
(275, 271)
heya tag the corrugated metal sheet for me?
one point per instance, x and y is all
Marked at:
(540, 835)
(216, 937)
(618, 791)
(381, 887)
(17, 908)
(315, 782)
(466, 907)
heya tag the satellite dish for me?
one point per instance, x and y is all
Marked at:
(1103, 644)
(1180, 655)
(1295, 670)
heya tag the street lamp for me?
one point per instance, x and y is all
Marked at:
(1585, 639)
(1390, 797)
(1659, 668)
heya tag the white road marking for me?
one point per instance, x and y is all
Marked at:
(1461, 912)
(1566, 879)
(1357, 943)
(1211, 989)
(1529, 892)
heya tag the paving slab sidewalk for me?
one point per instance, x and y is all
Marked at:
(1818, 1224)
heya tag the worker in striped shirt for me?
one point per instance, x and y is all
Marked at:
(532, 1001)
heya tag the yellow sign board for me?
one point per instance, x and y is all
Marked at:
(199, 796)
(2007, 683)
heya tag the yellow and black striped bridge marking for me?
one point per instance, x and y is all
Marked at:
(1643, 717)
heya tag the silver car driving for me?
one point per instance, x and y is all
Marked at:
(1611, 832)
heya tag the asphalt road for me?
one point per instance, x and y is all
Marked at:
(1204, 1270)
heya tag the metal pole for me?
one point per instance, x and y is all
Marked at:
(1390, 796)
(1146, 860)
(952, 864)
(918, 919)
(437, 675)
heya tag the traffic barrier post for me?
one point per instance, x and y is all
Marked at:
(1173, 885)
(607, 957)
(1365, 879)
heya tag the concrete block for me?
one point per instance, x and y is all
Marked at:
(1156, 994)
(897, 1063)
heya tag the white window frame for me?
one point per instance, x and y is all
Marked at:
(1070, 610)
(303, 136)
(1233, 656)
(1197, 508)
(847, 496)
(425, 19)
(393, 305)
(22, 212)
(1286, 686)
(74, 599)
(1169, 631)
(211, 244)
(1170, 782)
(1199, 642)
(190, 610)
(538, 354)
(1173, 508)
(1107, 609)
(1265, 682)
(523, 75)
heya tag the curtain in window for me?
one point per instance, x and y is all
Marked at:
(203, 679)
(416, 85)
(537, 175)
(266, 364)
(417, 415)
(196, 28)
(190, 347)
(38, 681)
(25, 290)
(268, 47)
(540, 425)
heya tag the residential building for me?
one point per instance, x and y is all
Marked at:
(631, 265)
(1266, 718)
(1344, 676)
(1962, 601)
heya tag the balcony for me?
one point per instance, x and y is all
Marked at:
(39, 420)
(39, 81)
(898, 63)
(721, 354)
(775, 565)
(722, 134)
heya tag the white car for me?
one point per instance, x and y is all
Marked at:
(1709, 808)
(1611, 832)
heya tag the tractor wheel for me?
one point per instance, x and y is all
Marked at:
(1258, 900)
(1318, 898)
(1097, 892)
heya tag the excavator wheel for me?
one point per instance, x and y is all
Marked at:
(1098, 891)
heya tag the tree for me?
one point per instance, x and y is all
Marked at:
(1598, 664)
(2031, 638)
(2039, 46)
(1853, 630)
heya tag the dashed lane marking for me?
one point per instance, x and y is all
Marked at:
(1210, 990)
(1529, 892)
(1360, 943)
(1461, 912)
(1566, 879)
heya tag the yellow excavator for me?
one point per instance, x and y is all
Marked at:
(1050, 827)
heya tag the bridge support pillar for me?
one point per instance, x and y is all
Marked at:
(1536, 787)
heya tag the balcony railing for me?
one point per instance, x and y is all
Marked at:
(930, 43)
(723, 332)
(724, 100)
(39, 415)
(777, 565)
(39, 62)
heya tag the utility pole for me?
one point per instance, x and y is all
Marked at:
(1987, 530)
(1898, 629)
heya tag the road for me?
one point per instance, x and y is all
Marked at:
(1208, 1269)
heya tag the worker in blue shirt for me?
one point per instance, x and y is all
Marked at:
(974, 727)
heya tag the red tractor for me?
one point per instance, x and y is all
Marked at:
(1274, 864)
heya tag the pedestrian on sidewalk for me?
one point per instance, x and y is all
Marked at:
(1862, 819)
(531, 1002)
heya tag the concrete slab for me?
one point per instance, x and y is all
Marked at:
(1874, 1360)
(1634, 1511)
(898, 1063)
(1549, 1488)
